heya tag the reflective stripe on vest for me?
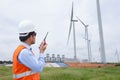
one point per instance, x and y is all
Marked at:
(27, 73)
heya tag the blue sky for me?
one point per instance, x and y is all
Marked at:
(54, 16)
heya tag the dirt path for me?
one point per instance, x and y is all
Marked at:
(85, 65)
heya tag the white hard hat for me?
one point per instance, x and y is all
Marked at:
(26, 26)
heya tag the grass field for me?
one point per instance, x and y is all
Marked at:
(108, 73)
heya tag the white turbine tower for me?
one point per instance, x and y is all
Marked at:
(72, 24)
(103, 57)
(86, 38)
(117, 55)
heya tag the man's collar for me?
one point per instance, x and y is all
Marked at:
(26, 45)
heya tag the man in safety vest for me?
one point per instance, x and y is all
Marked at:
(25, 64)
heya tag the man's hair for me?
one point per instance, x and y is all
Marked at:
(24, 38)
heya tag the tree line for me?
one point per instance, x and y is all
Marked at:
(6, 62)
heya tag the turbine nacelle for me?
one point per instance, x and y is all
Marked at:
(74, 20)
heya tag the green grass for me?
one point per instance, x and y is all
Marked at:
(5, 73)
(108, 73)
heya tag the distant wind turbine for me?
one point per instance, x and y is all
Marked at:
(86, 38)
(72, 24)
(117, 55)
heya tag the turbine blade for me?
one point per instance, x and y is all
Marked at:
(81, 21)
(70, 24)
(72, 12)
(69, 32)
(85, 33)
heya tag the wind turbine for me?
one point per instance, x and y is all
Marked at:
(86, 38)
(117, 55)
(102, 48)
(72, 24)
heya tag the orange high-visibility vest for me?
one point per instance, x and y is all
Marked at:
(20, 71)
